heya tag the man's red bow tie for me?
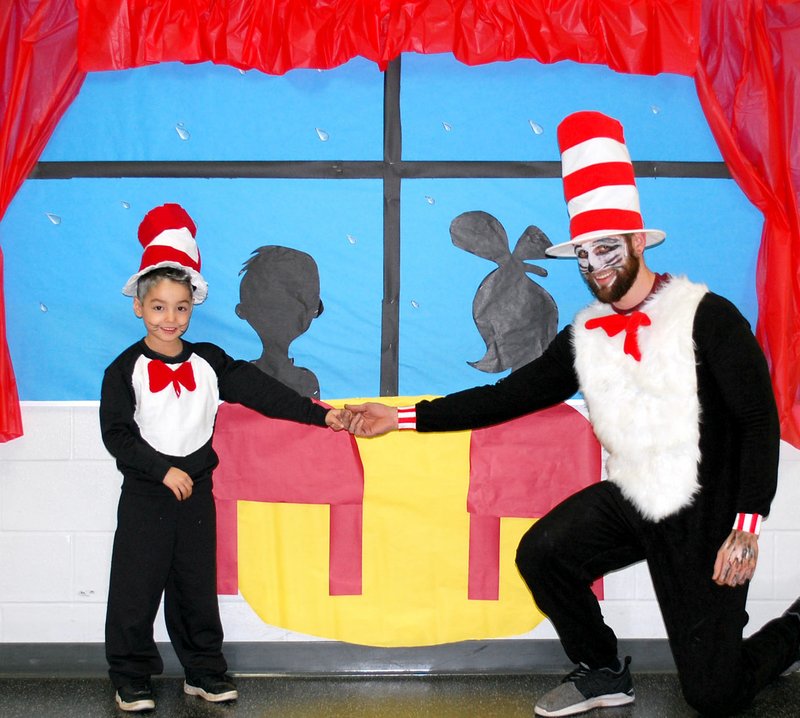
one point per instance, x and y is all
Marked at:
(613, 324)
(161, 376)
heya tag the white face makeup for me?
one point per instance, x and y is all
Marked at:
(606, 253)
(608, 267)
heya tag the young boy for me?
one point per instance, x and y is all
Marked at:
(157, 410)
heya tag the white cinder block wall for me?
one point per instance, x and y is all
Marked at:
(58, 495)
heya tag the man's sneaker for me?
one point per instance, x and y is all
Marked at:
(216, 689)
(135, 696)
(586, 688)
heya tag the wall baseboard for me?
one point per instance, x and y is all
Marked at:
(333, 658)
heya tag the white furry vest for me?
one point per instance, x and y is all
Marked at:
(646, 413)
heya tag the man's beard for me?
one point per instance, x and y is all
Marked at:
(626, 276)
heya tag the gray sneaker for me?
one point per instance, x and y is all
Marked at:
(586, 688)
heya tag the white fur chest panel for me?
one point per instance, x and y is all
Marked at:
(176, 424)
(646, 413)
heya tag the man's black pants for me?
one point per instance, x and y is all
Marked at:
(597, 531)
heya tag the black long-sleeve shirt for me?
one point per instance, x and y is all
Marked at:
(147, 431)
(739, 430)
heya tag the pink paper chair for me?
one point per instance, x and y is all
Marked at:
(263, 459)
(522, 468)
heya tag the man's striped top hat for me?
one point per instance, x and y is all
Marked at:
(167, 234)
(599, 184)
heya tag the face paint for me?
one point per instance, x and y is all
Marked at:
(608, 267)
(601, 254)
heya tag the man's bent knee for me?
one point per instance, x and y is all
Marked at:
(536, 551)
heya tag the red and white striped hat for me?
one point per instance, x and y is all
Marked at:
(167, 234)
(599, 184)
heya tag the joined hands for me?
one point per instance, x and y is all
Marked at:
(338, 419)
(372, 418)
(369, 419)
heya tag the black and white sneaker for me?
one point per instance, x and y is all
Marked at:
(216, 689)
(586, 688)
(135, 696)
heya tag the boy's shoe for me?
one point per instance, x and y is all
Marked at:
(586, 688)
(135, 696)
(216, 689)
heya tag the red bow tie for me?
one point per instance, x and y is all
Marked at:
(613, 324)
(161, 376)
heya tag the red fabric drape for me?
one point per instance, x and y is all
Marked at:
(39, 78)
(10, 416)
(274, 36)
(748, 81)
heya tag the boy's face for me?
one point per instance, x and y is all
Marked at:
(166, 310)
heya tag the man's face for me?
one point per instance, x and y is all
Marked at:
(608, 267)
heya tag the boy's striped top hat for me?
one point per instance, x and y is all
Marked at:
(599, 184)
(167, 234)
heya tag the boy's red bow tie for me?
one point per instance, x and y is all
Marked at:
(613, 324)
(161, 376)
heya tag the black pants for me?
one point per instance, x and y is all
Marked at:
(164, 546)
(597, 531)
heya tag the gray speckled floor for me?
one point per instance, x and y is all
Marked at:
(488, 696)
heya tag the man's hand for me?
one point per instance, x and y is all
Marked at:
(736, 560)
(338, 419)
(372, 418)
(179, 482)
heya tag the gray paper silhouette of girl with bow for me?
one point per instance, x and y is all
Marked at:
(515, 316)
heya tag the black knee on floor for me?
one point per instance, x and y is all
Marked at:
(710, 701)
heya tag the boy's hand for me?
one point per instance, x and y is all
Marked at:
(179, 483)
(338, 419)
(372, 418)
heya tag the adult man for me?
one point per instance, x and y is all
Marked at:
(679, 395)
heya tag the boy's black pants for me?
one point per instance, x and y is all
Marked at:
(597, 531)
(164, 546)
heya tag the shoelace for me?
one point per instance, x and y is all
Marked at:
(578, 672)
(582, 670)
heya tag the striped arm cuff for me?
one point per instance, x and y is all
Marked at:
(748, 522)
(407, 418)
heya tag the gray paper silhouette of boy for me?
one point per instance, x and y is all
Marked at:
(279, 297)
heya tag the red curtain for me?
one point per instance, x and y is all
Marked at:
(745, 63)
(748, 81)
(638, 36)
(39, 78)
